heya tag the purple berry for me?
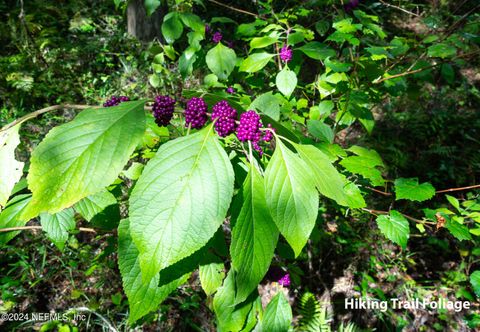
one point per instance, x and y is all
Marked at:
(268, 134)
(286, 54)
(230, 90)
(231, 44)
(249, 127)
(217, 37)
(162, 109)
(225, 116)
(285, 280)
(196, 113)
(351, 5)
(114, 101)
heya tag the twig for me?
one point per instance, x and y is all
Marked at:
(41, 111)
(399, 8)
(234, 9)
(377, 212)
(379, 191)
(23, 228)
(409, 72)
(457, 189)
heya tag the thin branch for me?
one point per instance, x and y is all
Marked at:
(457, 189)
(399, 8)
(23, 228)
(378, 212)
(384, 193)
(41, 111)
(234, 9)
(55, 108)
(409, 72)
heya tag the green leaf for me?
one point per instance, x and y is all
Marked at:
(221, 61)
(255, 62)
(186, 61)
(193, 22)
(151, 6)
(267, 104)
(229, 317)
(395, 227)
(286, 81)
(172, 27)
(180, 200)
(278, 315)
(291, 196)
(317, 50)
(92, 205)
(475, 281)
(295, 38)
(261, 42)
(458, 230)
(11, 170)
(84, 156)
(211, 273)
(142, 297)
(9, 217)
(58, 225)
(328, 180)
(337, 66)
(442, 50)
(410, 189)
(254, 237)
(320, 130)
(365, 167)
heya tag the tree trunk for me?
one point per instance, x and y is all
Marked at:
(141, 26)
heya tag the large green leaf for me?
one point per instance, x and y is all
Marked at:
(172, 27)
(278, 315)
(291, 196)
(211, 273)
(11, 170)
(395, 227)
(82, 157)
(410, 189)
(475, 281)
(286, 81)
(9, 217)
(321, 130)
(365, 163)
(92, 205)
(317, 50)
(143, 297)
(180, 200)
(328, 180)
(261, 42)
(254, 236)
(221, 61)
(101, 209)
(267, 104)
(255, 62)
(229, 317)
(460, 231)
(58, 225)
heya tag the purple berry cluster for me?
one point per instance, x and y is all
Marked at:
(196, 113)
(115, 100)
(230, 90)
(226, 116)
(217, 37)
(250, 129)
(163, 108)
(286, 54)
(285, 280)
